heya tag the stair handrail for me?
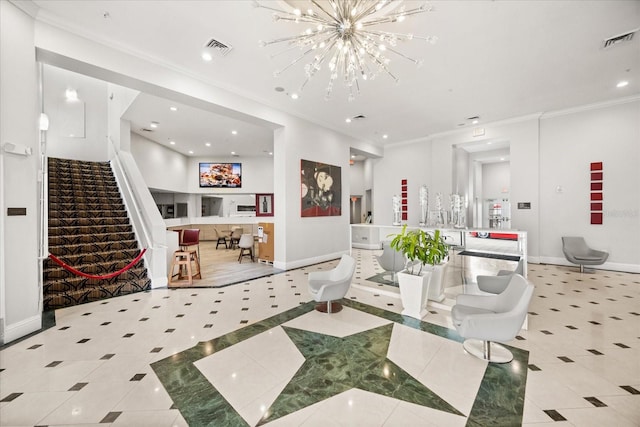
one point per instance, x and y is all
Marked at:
(151, 235)
(148, 240)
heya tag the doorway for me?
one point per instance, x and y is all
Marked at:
(482, 174)
(356, 210)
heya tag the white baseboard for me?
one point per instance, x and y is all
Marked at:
(159, 282)
(308, 261)
(366, 245)
(607, 266)
(20, 329)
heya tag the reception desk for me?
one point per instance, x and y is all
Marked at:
(371, 236)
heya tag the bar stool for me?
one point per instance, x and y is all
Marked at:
(183, 260)
(246, 247)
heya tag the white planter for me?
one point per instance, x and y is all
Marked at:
(413, 293)
(436, 283)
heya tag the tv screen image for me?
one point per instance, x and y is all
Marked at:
(221, 175)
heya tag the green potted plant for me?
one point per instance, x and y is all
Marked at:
(424, 252)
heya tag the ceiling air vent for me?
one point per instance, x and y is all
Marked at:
(359, 117)
(626, 37)
(146, 130)
(218, 47)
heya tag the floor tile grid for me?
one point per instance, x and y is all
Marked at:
(625, 292)
(135, 321)
(583, 346)
(587, 312)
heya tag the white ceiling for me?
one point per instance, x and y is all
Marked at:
(191, 129)
(493, 59)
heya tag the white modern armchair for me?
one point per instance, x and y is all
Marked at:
(575, 249)
(497, 284)
(391, 260)
(483, 319)
(330, 285)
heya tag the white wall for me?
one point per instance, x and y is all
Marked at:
(20, 311)
(403, 161)
(161, 168)
(168, 170)
(496, 177)
(308, 240)
(120, 98)
(544, 153)
(93, 93)
(569, 143)
(356, 177)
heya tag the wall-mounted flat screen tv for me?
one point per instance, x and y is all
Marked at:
(221, 175)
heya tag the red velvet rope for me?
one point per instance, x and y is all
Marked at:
(91, 276)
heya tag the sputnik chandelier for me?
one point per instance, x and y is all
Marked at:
(342, 36)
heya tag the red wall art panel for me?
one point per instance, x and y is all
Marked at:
(403, 200)
(597, 195)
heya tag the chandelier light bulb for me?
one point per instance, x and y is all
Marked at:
(348, 38)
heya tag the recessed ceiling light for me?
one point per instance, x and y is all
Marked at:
(294, 96)
(385, 136)
(475, 122)
(208, 144)
(190, 151)
(348, 120)
(233, 153)
(234, 132)
(173, 108)
(502, 159)
(154, 124)
(206, 56)
(353, 156)
(271, 153)
(172, 142)
(622, 83)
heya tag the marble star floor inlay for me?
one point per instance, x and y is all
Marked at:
(257, 353)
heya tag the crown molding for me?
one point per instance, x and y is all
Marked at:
(27, 6)
(590, 107)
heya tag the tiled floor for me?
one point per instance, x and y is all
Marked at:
(257, 353)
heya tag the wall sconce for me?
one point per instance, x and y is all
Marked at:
(71, 95)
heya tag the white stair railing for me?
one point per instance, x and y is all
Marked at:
(146, 220)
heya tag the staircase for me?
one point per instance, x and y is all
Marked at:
(90, 231)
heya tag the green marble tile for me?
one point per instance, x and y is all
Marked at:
(500, 399)
(334, 365)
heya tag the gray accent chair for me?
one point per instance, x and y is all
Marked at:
(575, 249)
(330, 285)
(483, 320)
(498, 283)
(391, 260)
